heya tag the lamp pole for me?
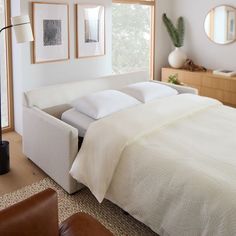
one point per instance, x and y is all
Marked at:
(23, 34)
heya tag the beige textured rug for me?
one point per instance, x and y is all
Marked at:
(114, 218)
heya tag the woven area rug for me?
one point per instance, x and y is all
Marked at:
(114, 218)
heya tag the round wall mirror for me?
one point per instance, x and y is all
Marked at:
(220, 24)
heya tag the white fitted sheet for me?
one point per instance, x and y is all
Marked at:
(78, 120)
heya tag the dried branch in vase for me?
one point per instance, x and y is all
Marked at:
(190, 66)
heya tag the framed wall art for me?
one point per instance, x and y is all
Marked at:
(90, 33)
(51, 32)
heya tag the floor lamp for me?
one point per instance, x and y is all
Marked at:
(23, 32)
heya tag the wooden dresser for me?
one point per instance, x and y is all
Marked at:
(209, 85)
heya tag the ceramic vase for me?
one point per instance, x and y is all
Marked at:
(177, 58)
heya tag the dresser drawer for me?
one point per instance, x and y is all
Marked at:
(192, 78)
(232, 86)
(229, 98)
(212, 93)
(216, 83)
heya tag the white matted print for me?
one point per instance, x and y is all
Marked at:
(90, 30)
(51, 32)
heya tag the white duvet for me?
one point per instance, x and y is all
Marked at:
(170, 163)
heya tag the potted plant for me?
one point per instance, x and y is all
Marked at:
(176, 58)
(173, 79)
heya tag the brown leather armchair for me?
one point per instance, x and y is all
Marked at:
(38, 216)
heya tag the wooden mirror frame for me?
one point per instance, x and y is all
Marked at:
(218, 43)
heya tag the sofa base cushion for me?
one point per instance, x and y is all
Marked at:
(78, 120)
(57, 111)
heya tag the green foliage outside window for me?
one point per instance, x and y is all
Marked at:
(131, 37)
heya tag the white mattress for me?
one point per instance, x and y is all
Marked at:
(78, 120)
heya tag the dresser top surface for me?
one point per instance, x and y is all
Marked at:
(208, 73)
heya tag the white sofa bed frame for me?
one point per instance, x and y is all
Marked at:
(51, 143)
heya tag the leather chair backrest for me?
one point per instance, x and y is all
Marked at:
(35, 216)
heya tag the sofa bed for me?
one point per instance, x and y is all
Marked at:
(53, 144)
(169, 162)
(167, 157)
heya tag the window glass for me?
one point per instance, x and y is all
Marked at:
(131, 37)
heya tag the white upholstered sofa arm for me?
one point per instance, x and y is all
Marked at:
(51, 144)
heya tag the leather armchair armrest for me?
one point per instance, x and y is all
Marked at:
(37, 215)
(83, 224)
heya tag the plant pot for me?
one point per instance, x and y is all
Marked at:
(4, 158)
(177, 58)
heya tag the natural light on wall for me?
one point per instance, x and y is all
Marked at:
(4, 88)
(132, 48)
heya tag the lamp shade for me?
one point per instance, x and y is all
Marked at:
(22, 28)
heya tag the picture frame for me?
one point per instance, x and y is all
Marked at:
(50, 23)
(90, 30)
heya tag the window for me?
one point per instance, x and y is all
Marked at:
(132, 36)
(5, 57)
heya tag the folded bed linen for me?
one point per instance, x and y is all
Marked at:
(78, 120)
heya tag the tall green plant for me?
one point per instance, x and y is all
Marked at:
(176, 33)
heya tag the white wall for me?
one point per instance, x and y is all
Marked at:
(162, 41)
(197, 45)
(28, 76)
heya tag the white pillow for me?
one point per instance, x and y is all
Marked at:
(104, 103)
(147, 91)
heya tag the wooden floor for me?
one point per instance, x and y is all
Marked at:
(23, 172)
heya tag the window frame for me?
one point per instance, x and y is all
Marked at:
(9, 74)
(142, 2)
(153, 28)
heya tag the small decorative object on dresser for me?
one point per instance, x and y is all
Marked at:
(173, 79)
(208, 84)
(176, 58)
(228, 73)
(189, 65)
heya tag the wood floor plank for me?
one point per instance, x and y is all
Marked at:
(23, 172)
